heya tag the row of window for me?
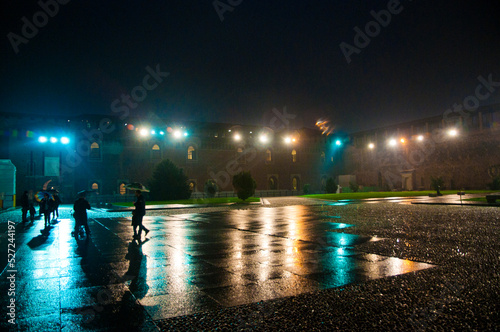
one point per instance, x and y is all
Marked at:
(95, 153)
(272, 185)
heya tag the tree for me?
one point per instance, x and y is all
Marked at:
(331, 186)
(210, 188)
(307, 189)
(168, 182)
(244, 185)
(495, 184)
(437, 184)
(354, 187)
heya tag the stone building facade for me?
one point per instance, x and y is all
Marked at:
(104, 154)
(463, 150)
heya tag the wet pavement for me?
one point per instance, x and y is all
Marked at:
(199, 263)
(189, 263)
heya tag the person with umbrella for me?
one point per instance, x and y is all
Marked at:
(80, 207)
(138, 214)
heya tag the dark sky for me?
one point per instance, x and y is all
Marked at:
(263, 55)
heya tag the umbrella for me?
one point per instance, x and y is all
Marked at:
(84, 193)
(39, 195)
(136, 186)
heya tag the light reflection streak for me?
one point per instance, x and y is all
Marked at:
(176, 245)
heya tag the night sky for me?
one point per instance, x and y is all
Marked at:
(262, 55)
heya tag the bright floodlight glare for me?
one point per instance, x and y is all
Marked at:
(143, 132)
(185, 134)
(263, 138)
(42, 139)
(237, 137)
(338, 142)
(64, 140)
(402, 140)
(162, 133)
(153, 132)
(420, 137)
(452, 132)
(371, 146)
(53, 140)
(177, 134)
(393, 142)
(288, 140)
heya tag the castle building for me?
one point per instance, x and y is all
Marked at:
(103, 154)
(462, 149)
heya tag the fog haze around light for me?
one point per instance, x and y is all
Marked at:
(261, 56)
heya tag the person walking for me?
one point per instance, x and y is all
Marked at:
(45, 210)
(138, 214)
(57, 202)
(80, 207)
(25, 206)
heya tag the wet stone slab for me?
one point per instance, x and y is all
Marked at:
(189, 263)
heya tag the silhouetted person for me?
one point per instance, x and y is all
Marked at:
(45, 209)
(57, 202)
(80, 207)
(25, 206)
(138, 214)
(31, 206)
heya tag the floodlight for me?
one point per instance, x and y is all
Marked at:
(53, 140)
(393, 142)
(371, 146)
(64, 140)
(338, 142)
(420, 137)
(263, 138)
(143, 132)
(237, 137)
(452, 132)
(42, 139)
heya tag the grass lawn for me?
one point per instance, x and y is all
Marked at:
(383, 194)
(214, 201)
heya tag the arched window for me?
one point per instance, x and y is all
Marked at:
(269, 156)
(240, 156)
(123, 189)
(294, 156)
(191, 153)
(155, 152)
(295, 183)
(272, 183)
(323, 156)
(192, 186)
(95, 186)
(95, 151)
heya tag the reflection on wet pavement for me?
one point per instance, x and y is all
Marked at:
(190, 263)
